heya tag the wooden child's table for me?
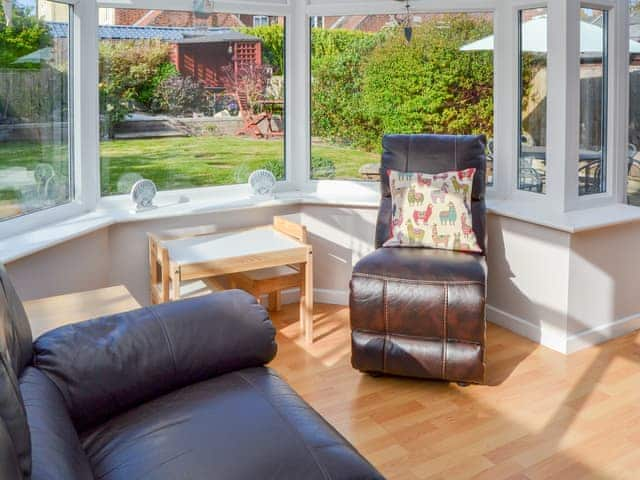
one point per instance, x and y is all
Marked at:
(201, 253)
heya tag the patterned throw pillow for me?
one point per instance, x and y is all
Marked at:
(432, 210)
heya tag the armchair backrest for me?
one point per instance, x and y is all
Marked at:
(15, 355)
(434, 154)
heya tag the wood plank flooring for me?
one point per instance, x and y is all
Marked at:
(543, 415)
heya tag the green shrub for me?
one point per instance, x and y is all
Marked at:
(322, 167)
(430, 85)
(276, 167)
(147, 92)
(130, 72)
(272, 37)
(27, 35)
(180, 96)
(337, 60)
(366, 85)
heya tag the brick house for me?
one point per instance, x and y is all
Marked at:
(201, 53)
(169, 18)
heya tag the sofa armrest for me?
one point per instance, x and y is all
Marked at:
(105, 366)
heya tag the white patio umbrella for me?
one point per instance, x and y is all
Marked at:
(42, 55)
(534, 38)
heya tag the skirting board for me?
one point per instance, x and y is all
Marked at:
(320, 295)
(555, 339)
(559, 341)
(603, 333)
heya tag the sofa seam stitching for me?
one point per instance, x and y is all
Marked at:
(417, 337)
(286, 421)
(385, 301)
(166, 337)
(420, 282)
(444, 332)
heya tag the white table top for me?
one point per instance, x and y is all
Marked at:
(207, 248)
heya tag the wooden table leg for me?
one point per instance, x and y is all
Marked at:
(164, 269)
(306, 299)
(275, 301)
(153, 271)
(175, 283)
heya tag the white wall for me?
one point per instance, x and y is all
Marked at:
(128, 248)
(604, 300)
(564, 291)
(75, 266)
(528, 279)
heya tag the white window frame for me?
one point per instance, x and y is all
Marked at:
(79, 202)
(317, 21)
(325, 8)
(235, 7)
(562, 192)
(260, 20)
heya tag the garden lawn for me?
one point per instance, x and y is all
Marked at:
(174, 163)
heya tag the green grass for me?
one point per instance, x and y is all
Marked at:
(174, 163)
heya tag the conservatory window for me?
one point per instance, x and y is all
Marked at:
(532, 132)
(367, 80)
(260, 21)
(592, 164)
(633, 188)
(189, 99)
(317, 21)
(36, 162)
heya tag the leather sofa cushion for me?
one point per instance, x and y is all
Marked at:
(245, 424)
(419, 312)
(424, 265)
(56, 450)
(15, 355)
(106, 366)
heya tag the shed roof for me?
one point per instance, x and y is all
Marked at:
(167, 34)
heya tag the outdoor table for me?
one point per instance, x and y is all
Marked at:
(540, 153)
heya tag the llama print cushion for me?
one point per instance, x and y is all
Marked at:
(432, 211)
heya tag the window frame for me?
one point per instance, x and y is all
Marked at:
(616, 96)
(261, 22)
(75, 204)
(562, 198)
(518, 133)
(346, 8)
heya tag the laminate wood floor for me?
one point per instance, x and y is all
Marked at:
(543, 414)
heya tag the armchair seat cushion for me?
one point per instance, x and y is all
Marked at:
(420, 313)
(423, 264)
(244, 424)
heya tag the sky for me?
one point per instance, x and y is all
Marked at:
(26, 3)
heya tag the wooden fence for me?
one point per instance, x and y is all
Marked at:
(30, 96)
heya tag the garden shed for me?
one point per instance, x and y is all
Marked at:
(204, 56)
(200, 53)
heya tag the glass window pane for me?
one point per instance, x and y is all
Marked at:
(35, 159)
(633, 157)
(532, 135)
(592, 164)
(189, 99)
(368, 81)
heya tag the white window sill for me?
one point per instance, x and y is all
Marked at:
(118, 210)
(571, 222)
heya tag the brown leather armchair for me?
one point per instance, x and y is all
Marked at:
(420, 312)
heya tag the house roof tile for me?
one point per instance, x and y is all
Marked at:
(168, 34)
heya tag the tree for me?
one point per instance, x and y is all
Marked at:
(25, 35)
(7, 6)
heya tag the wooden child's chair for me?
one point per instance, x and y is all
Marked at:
(272, 281)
